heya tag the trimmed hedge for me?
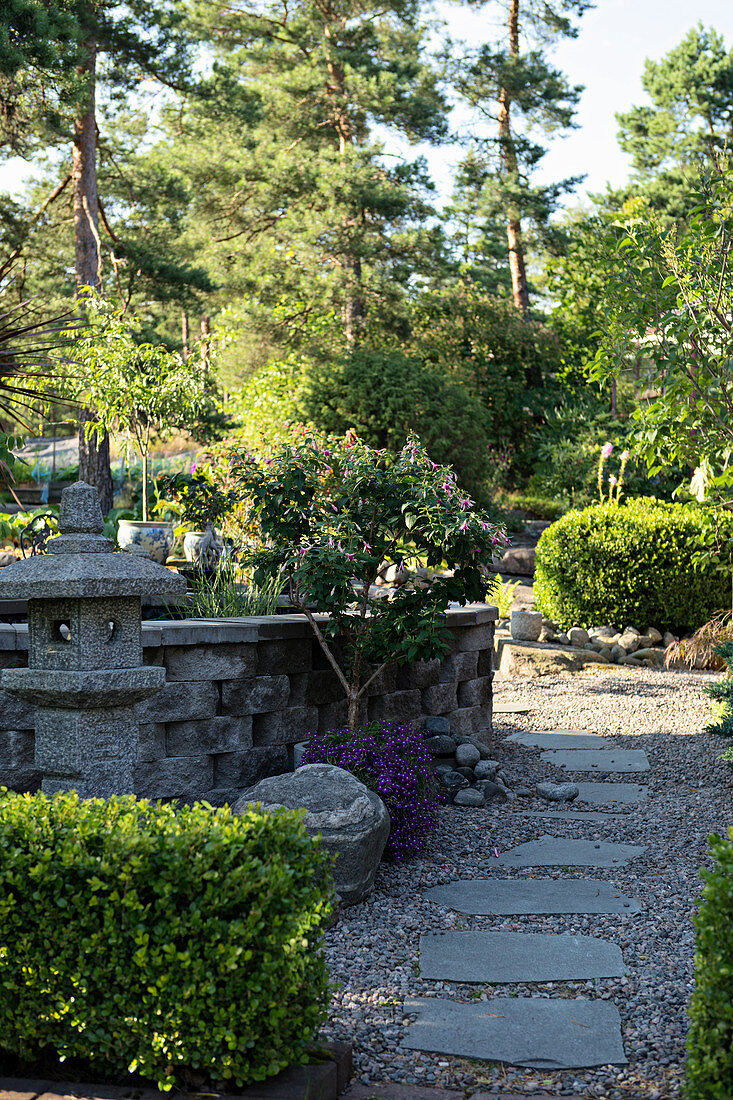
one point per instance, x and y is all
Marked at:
(155, 940)
(629, 564)
(710, 1039)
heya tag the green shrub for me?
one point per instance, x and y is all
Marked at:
(158, 940)
(710, 1039)
(630, 564)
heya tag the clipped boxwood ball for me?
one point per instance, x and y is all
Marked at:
(631, 564)
(157, 940)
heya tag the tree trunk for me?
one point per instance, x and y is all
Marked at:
(354, 304)
(94, 465)
(185, 333)
(520, 291)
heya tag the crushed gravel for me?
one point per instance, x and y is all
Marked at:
(373, 949)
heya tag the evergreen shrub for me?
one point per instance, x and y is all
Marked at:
(158, 940)
(630, 564)
(709, 1072)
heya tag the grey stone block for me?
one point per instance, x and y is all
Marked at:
(267, 729)
(298, 686)
(475, 693)
(184, 777)
(420, 675)
(22, 748)
(606, 794)
(471, 720)
(400, 706)
(560, 740)
(92, 752)
(15, 712)
(485, 664)
(153, 655)
(609, 760)
(517, 957)
(474, 638)
(286, 657)
(151, 741)
(440, 699)
(385, 683)
(179, 702)
(323, 687)
(333, 716)
(210, 662)
(516, 896)
(460, 666)
(255, 695)
(222, 733)
(298, 723)
(550, 851)
(241, 769)
(525, 1031)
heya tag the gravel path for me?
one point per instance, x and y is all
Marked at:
(372, 950)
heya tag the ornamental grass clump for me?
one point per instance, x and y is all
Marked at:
(181, 944)
(394, 761)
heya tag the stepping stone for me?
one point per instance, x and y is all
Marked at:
(508, 896)
(523, 1031)
(559, 739)
(605, 794)
(510, 708)
(608, 760)
(517, 957)
(574, 815)
(553, 851)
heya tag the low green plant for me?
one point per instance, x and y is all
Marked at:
(638, 562)
(501, 593)
(165, 941)
(722, 695)
(221, 594)
(709, 1070)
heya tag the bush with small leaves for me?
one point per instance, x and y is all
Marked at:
(158, 940)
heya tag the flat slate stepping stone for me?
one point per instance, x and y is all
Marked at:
(510, 708)
(605, 794)
(517, 957)
(559, 739)
(508, 896)
(608, 760)
(574, 815)
(523, 1031)
(554, 851)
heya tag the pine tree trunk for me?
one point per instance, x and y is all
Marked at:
(517, 268)
(94, 465)
(354, 305)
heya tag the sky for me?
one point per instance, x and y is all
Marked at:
(607, 58)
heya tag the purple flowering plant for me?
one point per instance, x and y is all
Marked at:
(394, 761)
(331, 516)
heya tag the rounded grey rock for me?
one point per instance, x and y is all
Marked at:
(441, 745)
(470, 796)
(526, 626)
(558, 792)
(437, 724)
(467, 773)
(578, 637)
(452, 780)
(467, 756)
(487, 769)
(492, 790)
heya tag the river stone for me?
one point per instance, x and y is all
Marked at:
(470, 796)
(537, 1032)
(629, 641)
(578, 637)
(487, 956)
(352, 820)
(452, 780)
(519, 896)
(557, 792)
(607, 760)
(487, 769)
(558, 739)
(467, 756)
(493, 790)
(437, 724)
(526, 626)
(555, 851)
(441, 745)
(467, 773)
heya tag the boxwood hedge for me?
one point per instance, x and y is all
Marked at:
(710, 1039)
(160, 941)
(631, 564)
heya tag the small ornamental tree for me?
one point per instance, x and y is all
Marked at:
(136, 389)
(331, 517)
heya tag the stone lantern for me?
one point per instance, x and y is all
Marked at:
(85, 670)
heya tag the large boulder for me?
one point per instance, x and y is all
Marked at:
(352, 820)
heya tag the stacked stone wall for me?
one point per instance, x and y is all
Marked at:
(239, 693)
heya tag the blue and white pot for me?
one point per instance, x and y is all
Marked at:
(152, 536)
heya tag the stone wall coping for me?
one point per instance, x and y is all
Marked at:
(157, 632)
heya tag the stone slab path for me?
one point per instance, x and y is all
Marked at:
(526, 1031)
(602, 760)
(503, 957)
(550, 851)
(559, 739)
(605, 794)
(572, 815)
(509, 896)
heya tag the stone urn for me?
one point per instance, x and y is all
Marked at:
(154, 537)
(526, 626)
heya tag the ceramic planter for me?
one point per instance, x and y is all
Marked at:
(202, 547)
(153, 536)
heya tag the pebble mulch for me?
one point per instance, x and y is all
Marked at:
(373, 949)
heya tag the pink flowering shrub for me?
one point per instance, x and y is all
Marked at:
(332, 515)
